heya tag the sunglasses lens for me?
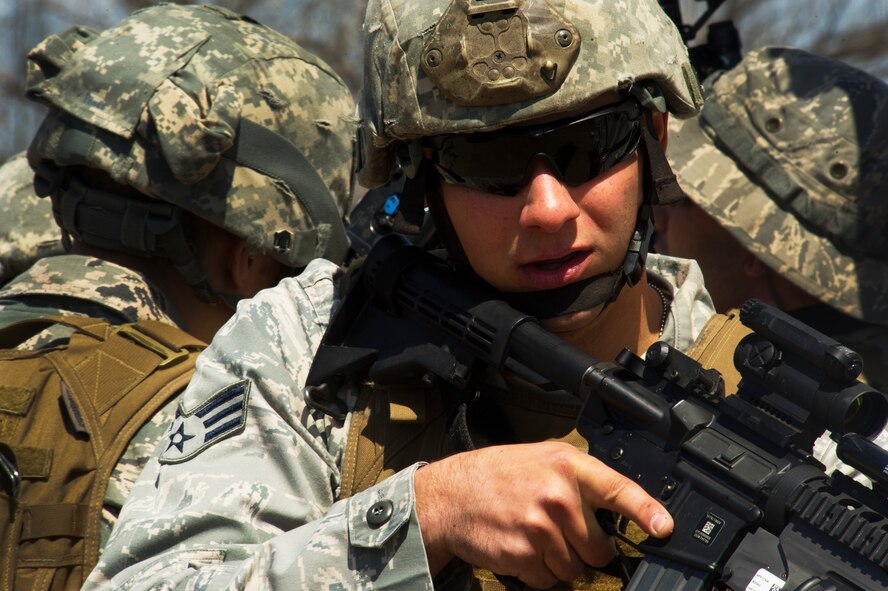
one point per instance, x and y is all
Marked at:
(577, 150)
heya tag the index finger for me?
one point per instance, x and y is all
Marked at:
(606, 488)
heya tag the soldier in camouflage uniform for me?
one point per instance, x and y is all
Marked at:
(552, 210)
(192, 157)
(28, 231)
(785, 172)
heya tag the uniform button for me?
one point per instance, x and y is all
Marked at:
(379, 513)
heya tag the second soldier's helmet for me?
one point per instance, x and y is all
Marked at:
(790, 156)
(28, 231)
(195, 108)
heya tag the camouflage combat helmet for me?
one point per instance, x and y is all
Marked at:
(790, 156)
(203, 109)
(28, 231)
(545, 58)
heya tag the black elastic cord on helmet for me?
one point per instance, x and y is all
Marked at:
(152, 227)
(142, 227)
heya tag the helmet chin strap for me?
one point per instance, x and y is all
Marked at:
(582, 295)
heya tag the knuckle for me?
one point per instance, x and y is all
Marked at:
(559, 501)
(562, 458)
(614, 488)
(538, 526)
(601, 556)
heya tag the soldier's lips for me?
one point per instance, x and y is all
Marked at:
(556, 272)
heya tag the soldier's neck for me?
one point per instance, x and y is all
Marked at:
(191, 313)
(632, 321)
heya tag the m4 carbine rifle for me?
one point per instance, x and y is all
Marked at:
(753, 510)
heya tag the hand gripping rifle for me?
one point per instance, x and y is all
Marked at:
(754, 511)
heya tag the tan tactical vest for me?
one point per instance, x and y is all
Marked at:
(393, 429)
(66, 415)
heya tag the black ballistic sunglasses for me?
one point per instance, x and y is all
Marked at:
(577, 150)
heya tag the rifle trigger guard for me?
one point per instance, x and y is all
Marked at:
(324, 399)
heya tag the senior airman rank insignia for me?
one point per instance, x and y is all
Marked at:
(224, 414)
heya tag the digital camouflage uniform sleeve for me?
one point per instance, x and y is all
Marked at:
(242, 491)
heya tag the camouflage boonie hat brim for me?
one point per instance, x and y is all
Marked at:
(788, 236)
(164, 95)
(622, 43)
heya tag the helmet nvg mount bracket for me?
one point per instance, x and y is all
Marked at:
(511, 51)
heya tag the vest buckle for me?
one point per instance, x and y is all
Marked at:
(170, 357)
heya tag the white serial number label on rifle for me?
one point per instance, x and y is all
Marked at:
(765, 581)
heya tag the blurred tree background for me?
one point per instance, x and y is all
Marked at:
(852, 30)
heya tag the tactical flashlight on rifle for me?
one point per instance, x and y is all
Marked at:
(753, 508)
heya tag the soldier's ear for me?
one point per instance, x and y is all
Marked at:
(250, 272)
(240, 265)
(661, 127)
(753, 267)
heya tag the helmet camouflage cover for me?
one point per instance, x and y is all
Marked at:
(212, 112)
(28, 231)
(790, 156)
(450, 66)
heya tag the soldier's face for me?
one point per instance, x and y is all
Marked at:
(549, 234)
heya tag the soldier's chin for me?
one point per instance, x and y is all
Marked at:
(573, 320)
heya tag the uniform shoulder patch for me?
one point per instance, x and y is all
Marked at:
(223, 415)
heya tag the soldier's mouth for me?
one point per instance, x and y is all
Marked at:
(555, 264)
